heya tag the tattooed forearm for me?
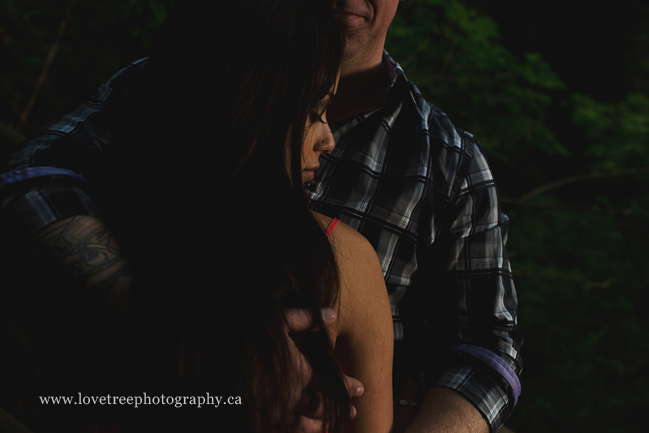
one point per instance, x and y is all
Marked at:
(85, 252)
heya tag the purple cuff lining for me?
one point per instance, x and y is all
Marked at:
(493, 360)
(34, 172)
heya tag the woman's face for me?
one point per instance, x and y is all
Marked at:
(318, 138)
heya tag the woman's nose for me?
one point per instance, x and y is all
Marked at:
(327, 142)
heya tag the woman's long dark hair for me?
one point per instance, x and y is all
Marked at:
(217, 229)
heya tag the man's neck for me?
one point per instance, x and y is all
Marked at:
(360, 89)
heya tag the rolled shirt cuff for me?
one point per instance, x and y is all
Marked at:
(51, 200)
(481, 384)
(494, 361)
(28, 173)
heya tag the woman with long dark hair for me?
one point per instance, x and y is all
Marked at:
(205, 195)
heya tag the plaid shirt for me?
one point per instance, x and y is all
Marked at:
(416, 187)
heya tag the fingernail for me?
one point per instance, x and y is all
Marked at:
(359, 391)
(328, 314)
(352, 412)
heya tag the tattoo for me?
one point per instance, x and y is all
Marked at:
(84, 250)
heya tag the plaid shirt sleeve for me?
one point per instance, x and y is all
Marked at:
(50, 177)
(480, 357)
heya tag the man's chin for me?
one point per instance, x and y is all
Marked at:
(355, 42)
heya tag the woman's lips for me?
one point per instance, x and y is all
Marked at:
(309, 173)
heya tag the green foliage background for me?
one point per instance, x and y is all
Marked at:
(573, 177)
(573, 173)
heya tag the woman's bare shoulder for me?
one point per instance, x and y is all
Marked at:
(352, 248)
(347, 242)
(323, 220)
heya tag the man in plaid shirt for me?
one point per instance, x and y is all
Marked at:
(414, 185)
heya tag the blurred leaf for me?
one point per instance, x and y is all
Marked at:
(159, 11)
(620, 132)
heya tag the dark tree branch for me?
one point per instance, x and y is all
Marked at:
(570, 208)
(578, 178)
(423, 46)
(559, 276)
(46, 66)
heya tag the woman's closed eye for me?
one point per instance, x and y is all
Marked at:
(317, 117)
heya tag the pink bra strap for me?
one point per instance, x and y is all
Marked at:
(332, 225)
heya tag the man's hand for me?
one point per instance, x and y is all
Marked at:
(310, 416)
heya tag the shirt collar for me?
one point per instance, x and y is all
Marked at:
(393, 68)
